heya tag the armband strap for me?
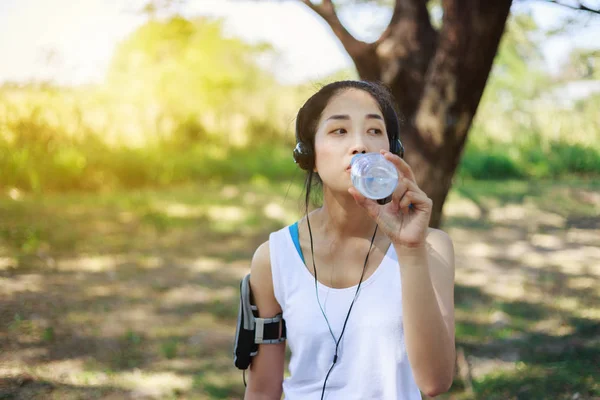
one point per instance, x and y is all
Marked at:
(267, 330)
(252, 330)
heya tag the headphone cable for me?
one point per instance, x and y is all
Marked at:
(337, 342)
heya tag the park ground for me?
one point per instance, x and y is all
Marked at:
(134, 295)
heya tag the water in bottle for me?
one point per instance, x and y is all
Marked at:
(373, 176)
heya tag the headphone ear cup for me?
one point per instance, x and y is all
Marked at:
(397, 148)
(303, 156)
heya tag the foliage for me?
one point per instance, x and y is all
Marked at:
(184, 102)
(526, 125)
(183, 68)
(180, 101)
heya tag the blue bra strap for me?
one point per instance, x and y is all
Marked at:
(296, 238)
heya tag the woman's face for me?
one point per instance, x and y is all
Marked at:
(350, 124)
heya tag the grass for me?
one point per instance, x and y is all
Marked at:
(129, 294)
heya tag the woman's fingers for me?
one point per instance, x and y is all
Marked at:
(410, 184)
(399, 192)
(412, 196)
(401, 165)
(407, 195)
(369, 205)
(406, 201)
(404, 185)
(418, 201)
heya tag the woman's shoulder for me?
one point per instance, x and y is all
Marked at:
(261, 281)
(434, 234)
(261, 260)
(440, 242)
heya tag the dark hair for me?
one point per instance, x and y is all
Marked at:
(310, 113)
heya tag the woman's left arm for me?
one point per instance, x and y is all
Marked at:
(426, 259)
(428, 311)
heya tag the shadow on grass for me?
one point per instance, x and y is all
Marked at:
(25, 387)
(137, 287)
(572, 373)
(126, 318)
(524, 362)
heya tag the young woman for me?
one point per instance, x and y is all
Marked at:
(366, 290)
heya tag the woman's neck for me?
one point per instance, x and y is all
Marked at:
(341, 218)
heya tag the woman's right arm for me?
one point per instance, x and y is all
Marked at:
(266, 370)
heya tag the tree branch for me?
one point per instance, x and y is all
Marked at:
(579, 7)
(326, 10)
(409, 9)
(395, 16)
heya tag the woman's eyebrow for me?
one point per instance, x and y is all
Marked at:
(347, 117)
(336, 117)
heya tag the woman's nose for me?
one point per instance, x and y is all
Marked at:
(359, 148)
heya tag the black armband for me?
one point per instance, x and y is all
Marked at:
(252, 330)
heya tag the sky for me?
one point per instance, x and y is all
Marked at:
(71, 41)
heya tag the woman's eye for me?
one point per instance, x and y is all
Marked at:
(376, 131)
(339, 131)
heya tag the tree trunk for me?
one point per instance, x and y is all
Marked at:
(437, 78)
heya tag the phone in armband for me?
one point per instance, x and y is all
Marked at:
(252, 330)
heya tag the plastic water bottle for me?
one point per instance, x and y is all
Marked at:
(373, 176)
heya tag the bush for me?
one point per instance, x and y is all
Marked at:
(530, 158)
(565, 158)
(478, 163)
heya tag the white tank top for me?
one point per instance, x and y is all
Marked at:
(372, 361)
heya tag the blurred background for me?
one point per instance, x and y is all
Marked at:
(145, 153)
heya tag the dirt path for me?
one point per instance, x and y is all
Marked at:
(138, 301)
